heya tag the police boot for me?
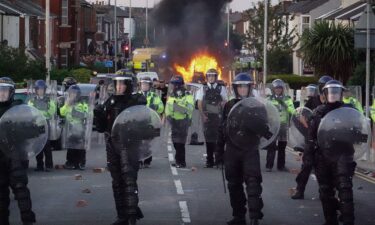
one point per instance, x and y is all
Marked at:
(254, 222)
(298, 195)
(237, 221)
(120, 222)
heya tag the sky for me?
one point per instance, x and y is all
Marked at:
(236, 5)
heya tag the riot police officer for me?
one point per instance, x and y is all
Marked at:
(124, 171)
(211, 100)
(334, 166)
(349, 99)
(178, 111)
(285, 105)
(49, 108)
(75, 111)
(241, 165)
(306, 167)
(67, 82)
(13, 172)
(153, 101)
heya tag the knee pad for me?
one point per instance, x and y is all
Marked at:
(255, 203)
(253, 186)
(326, 192)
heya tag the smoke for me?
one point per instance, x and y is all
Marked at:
(190, 26)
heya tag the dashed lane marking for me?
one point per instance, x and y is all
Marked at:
(185, 212)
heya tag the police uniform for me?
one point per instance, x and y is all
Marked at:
(48, 108)
(123, 167)
(13, 174)
(286, 107)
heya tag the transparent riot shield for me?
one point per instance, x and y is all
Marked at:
(344, 131)
(179, 114)
(103, 94)
(353, 96)
(23, 132)
(53, 120)
(298, 128)
(212, 105)
(308, 92)
(78, 122)
(269, 90)
(195, 132)
(137, 130)
(252, 122)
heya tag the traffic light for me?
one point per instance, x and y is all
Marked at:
(126, 51)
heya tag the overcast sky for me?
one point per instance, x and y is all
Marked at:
(236, 5)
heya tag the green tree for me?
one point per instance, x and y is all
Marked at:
(17, 65)
(280, 37)
(329, 48)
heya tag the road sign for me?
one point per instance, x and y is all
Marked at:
(108, 64)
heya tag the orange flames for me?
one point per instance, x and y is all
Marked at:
(201, 62)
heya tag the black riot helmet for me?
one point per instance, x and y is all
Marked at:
(240, 80)
(311, 90)
(7, 90)
(322, 81)
(120, 81)
(40, 84)
(68, 81)
(76, 91)
(333, 91)
(176, 85)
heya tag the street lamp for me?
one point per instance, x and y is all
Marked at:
(115, 29)
(265, 42)
(48, 43)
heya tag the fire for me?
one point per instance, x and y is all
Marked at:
(201, 62)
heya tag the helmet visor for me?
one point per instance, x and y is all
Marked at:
(5, 93)
(334, 94)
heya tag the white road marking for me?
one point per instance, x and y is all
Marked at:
(174, 170)
(170, 157)
(313, 177)
(178, 185)
(169, 148)
(185, 212)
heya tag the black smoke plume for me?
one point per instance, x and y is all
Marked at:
(191, 26)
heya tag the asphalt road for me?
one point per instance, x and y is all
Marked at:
(170, 196)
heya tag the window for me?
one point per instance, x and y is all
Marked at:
(305, 23)
(99, 23)
(64, 12)
(64, 57)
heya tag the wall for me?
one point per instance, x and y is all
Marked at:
(11, 30)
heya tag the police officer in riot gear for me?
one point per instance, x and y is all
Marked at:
(123, 171)
(67, 82)
(211, 100)
(153, 101)
(178, 111)
(285, 105)
(306, 167)
(241, 166)
(332, 174)
(13, 172)
(75, 111)
(48, 108)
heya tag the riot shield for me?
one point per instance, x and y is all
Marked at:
(344, 131)
(23, 132)
(252, 122)
(103, 94)
(298, 128)
(53, 121)
(353, 96)
(137, 131)
(78, 122)
(307, 92)
(179, 112)
(195, 133)
(212, 111)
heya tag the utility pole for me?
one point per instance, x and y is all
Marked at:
(146, 40)
(130, 27)
(78, 31)
(265, 41)
(228, 25)
(368, 58)
(116, 30)
(48, 43)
